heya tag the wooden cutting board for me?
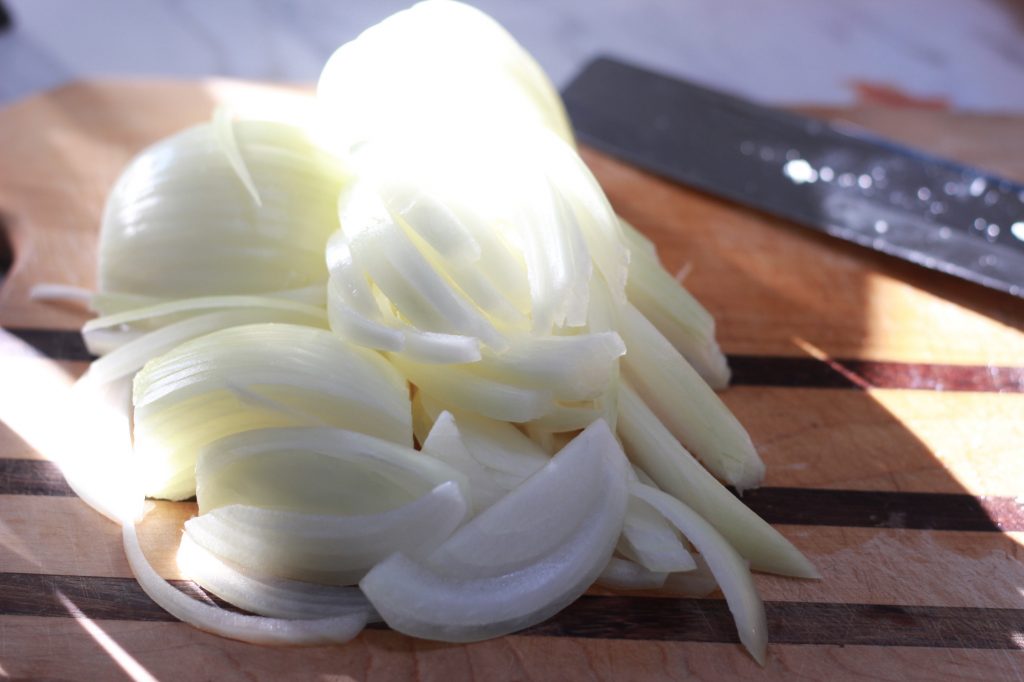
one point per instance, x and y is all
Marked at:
(887, 402)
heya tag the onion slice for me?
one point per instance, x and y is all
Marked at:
(673, 310)
(462, 388)
(651, 542)
(623, 574)
(267, 596)
(520, 561)
(685, 403)
(202, 391)
(255, 629)
(331, 549)
(728, 567)
(315, 470)
(651, 446)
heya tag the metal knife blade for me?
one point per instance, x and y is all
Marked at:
(939, 214)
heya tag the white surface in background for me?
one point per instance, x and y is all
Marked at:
(970, 52)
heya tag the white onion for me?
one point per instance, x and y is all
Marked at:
(280, 300)
(331, 549)
(139, 348)
(671, 308)
(334, 629)
(652, 447)
(699, 582)
(648, 540)
(437, 61)
(315, 470)
(445, 443)
(180, 221)
(268, 596)
(685, 404)
(572, 367)
(187, 399)
(728, 567)
(622, 574)
(462, 388)
(518, 562)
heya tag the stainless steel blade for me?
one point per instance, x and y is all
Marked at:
(931, 211)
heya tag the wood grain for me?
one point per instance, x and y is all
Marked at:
(885, 400)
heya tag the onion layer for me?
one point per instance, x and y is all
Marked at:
(521, 560)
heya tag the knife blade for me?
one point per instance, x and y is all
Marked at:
(933, 212)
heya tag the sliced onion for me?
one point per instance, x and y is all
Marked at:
(354, 315)
(473, 247)
(197, 393)
(495, 460)
(267, 596)
(159, 313)
(648, 540)
(385, 252)
(462, 388)
(623, 574)
(521, 560)
(133, 355)
(671, 308)
(651, 446)
(564, 417)
(327, 548)
(256, 629)
(728, 567)
(699, 582)
(597, 221)
(488, 80)
(444, 442)
(686, 404)
(315, 470)
(571, 367)
(180, 223)
(224, 128)
(419, 208)
(496, 445)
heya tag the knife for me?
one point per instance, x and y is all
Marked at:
(933, 212)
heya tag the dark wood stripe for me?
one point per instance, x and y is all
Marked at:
(792, 506)
(709, 620)
(748, 370)
(593, 617)
(32, 477)
(55, 344)
(757, 370)
(886, 509)
(31, 594)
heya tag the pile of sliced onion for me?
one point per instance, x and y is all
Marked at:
(447, 387)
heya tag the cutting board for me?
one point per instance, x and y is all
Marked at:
(887, 402)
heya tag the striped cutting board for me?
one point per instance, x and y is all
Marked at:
(886, 401)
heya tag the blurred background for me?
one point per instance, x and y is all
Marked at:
(959, 54)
